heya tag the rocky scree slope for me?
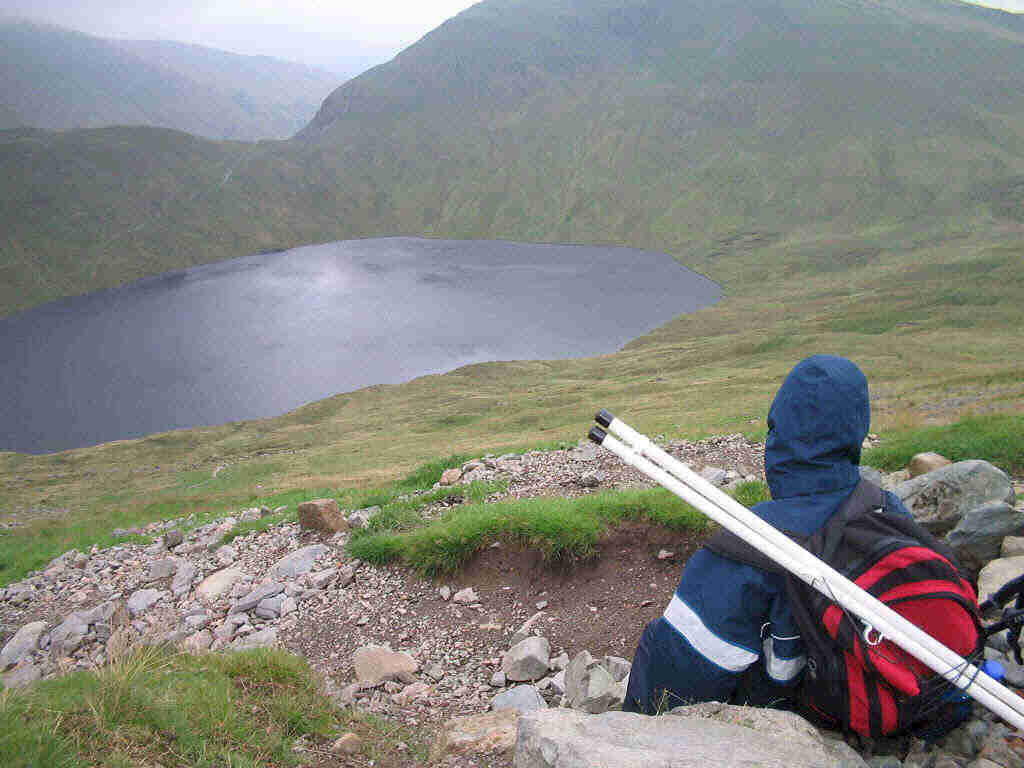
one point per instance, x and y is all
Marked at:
(545, 652)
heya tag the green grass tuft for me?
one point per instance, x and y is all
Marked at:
(996, 438)
(562, 529)
(152, 706)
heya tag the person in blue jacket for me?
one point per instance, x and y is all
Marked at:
(727, 634)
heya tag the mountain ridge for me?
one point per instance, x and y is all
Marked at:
(60, 79)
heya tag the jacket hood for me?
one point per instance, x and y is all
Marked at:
(816, 426)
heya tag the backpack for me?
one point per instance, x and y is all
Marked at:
(857, 680)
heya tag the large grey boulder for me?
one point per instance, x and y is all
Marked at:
(978, 536)
(522, 698)
(692, 737)
(24, 642)
(940, 499)
(526, 660)
(298, 562)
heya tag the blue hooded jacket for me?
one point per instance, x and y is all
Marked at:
(728, 633)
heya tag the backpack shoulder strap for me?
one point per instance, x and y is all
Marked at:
(731, 546)
(866, 496)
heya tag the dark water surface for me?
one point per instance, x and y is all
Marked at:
(259, 336)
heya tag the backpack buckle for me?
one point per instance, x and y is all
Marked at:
(868, 629)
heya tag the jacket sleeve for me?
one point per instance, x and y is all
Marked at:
(711, 629)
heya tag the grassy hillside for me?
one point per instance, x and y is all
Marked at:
(58, 79)
(689, 127)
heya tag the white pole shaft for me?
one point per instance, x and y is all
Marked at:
(820, 576)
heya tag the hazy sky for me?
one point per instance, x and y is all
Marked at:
(341, 35)
(333, 34)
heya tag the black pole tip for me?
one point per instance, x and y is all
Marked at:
(597, 435)
(604, 418)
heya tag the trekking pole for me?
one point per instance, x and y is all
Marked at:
(641, 453)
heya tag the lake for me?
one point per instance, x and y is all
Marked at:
(258, 336)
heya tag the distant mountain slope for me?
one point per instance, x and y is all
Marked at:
(57, 79)
(569, 118)
(701, 127)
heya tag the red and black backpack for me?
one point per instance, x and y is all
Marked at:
(857, 680)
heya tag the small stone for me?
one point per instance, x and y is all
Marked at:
(249, 515)
(445, 593)
(527, 660)
(542, 604)
(162, 569)
(322, 515)
(197, 621)
(591, 479)
(349, 744)
(466, 596)
(262, 639)
(715, 475)
(226, 555)
(412, 692)
(24, 642)
(346, 575)
(142, 600)
(173, 538)
(299, 562)
(486, 734)
(524, 631)
(434, 672)
(182, 581)
(323, 579)
(498, 679)
(374, 664)
(288, 605)
(522, 698)
(617, 667)
(269, 607)
(361, 517)
(21, 676)
(1012, 546)
(451, 476)
(558, 682)
(561, 661)
(199, 642)
(254, 598)
(664, 554)
(219, 583)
